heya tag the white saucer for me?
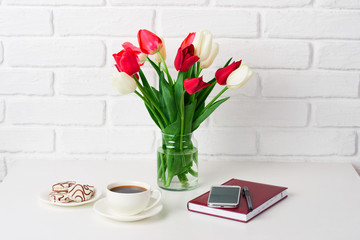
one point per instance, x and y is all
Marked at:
(44, 197)
(102, 208)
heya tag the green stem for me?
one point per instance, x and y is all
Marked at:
(155, 105)
(168, 181)
(214, 99)
(182, 119)
(166, 69)
(137, 93)
(199, 69)
(150, 106)
(204, 94)
(193, 172)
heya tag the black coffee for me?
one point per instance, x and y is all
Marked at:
(128, 189)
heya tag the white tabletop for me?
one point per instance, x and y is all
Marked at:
(323, 202)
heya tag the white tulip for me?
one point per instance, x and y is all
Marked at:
(214, 51)
(123, 83)
(142, 58)
(203, 44)
(239, 77)
(162, 52)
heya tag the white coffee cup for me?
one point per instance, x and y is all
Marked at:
(125, 203)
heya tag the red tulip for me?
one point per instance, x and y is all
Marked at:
(140, 56)
(188, 40)
(134, 48)
(222, 74)
(185, 58)
(149, 43)
(193, 85)
(127, 61)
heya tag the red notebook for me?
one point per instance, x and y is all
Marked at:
(263, 196)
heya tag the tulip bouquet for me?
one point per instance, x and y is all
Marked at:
(179, 105)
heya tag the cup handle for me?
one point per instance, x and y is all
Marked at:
(157, 200)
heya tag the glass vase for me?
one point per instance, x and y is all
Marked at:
(177, 162)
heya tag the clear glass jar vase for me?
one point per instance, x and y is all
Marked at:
(177, 162)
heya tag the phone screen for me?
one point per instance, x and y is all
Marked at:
(224, 196)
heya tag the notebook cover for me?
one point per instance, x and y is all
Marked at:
(260, 193)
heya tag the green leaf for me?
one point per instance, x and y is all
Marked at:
(156, 67)
(147, 89)
(156, 94)
(188, 119)
(170, 104)
(153, 116)
(167, 99)
(179, 88)
(198, 110)
(228, 62)
(173, 128)
(144, 80)
(161, 98)
(204, 93)
(207, 113)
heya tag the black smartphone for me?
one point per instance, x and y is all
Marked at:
(224, 196)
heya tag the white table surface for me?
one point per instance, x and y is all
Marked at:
(323, 202)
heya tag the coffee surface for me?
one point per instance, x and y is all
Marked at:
(128, 189)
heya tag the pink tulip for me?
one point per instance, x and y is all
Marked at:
(149, 43)
(222, 74)
(193, 85)
(127, 61)
(141, 56)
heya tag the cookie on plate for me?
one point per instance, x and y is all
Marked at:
(81, 193)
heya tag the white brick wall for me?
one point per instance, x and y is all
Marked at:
(55, 112)
(54, 52)
(308, 143)
(56, 100)
(338, 55)
(306, 24)
(302, 84)
(114, 22)
(25, 22)
(26, 82)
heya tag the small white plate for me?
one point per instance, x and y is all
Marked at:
(44, 197)
(102, 208)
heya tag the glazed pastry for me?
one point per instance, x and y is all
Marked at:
(63, 186)
(81, 193)
(61, 197)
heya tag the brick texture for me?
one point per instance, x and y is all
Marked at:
(26, 82)
(1, 52)
(55, 53)
(302, 104)
(238, 141)
(350, 4)
(310, 24)
(307, 143)
(26, 140)
(114, 22)
(31, 22)
(175, 22)
(309, 84)
(337, 113)
(338, 55)
(265, 54)
(59, 112)
(107, 141)
(2, 109)
(263, 3)
(2, 169)
(262, 113)
(56, 2)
